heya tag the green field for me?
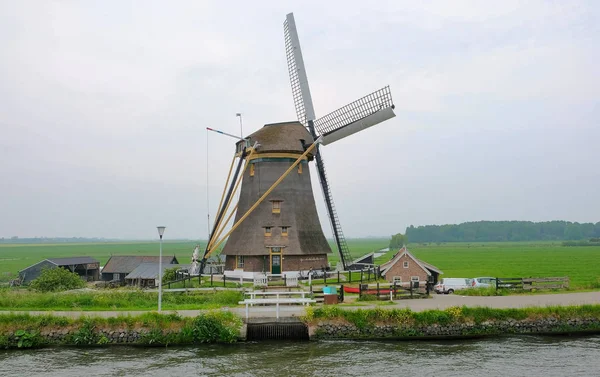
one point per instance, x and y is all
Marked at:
(15, 257)
(515, 259)
(501, 259)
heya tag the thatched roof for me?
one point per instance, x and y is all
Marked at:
(281, 137)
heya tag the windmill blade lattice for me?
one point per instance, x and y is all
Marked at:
(356, 116)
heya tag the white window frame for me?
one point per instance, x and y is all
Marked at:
(415, 278)
(405, 264)
(116, 276)
(397, 279)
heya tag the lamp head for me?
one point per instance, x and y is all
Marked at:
(161, 230)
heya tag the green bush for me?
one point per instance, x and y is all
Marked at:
(57, 279)
(170, 274)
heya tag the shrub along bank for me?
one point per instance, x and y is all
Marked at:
(332, 322)
(151, 329)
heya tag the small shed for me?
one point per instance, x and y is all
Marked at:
(405, 269)
(119, 266)
(146, 274)
(86, 267)
(215, 264)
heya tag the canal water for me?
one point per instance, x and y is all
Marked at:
(507, 356)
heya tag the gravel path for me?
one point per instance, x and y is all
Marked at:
(436, 302)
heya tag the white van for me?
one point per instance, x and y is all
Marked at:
(449, 285)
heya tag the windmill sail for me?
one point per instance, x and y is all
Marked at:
(306, 114)
(356, 116)
(298, 78)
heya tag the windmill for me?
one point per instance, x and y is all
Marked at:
(276, 217)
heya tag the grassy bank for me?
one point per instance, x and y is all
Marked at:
(366, 317)
(25, 331)
(115, 300)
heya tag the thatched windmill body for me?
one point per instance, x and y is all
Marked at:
(276, 226)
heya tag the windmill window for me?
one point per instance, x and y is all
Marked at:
(275, 249)
(284, 230)
(239, 261)
(276, 206)
(267, 231)
(252, 170)
(405, 264)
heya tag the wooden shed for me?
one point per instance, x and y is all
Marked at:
(119, 266)
(86, 267)
(146, 274)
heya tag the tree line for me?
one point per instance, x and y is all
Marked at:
(491, 231)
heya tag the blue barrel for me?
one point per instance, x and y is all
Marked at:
(329, 290)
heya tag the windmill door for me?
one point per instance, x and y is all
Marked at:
(275, 263)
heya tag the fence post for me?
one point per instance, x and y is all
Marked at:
(377, 291)
(361, 276)
(338, 276)
(360, 290)
(223, 280)
(324, 277)
(285, 280)
(211, 278)
(411, 289)
(369, 274)
(497, 284)
(350, 275)
(342, 293)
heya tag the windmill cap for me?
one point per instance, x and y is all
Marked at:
(283, 137)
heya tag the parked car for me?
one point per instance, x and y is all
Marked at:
(483, 282)
(449, 285)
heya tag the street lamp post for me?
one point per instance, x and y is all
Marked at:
(241, 132)
(161, 231)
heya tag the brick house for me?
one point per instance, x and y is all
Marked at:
(404, 268)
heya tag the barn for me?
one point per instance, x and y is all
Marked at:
(404, 268)
(86, 267)
(119, 266)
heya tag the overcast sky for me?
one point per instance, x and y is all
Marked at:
(104, 104)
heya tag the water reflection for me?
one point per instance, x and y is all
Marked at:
(510, 356)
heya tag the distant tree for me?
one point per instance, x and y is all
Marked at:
(57, 279)
(480, 231)
(573, 232)
(398, 240)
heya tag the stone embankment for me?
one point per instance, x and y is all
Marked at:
(337, 330)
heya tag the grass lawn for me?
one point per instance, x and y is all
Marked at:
(115, 300)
